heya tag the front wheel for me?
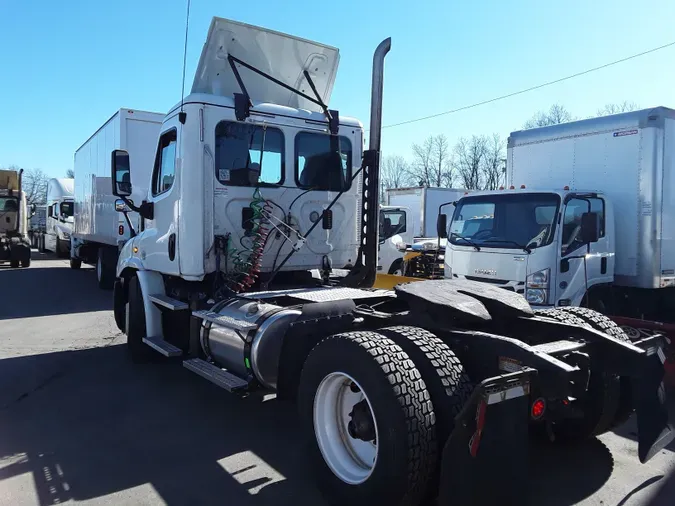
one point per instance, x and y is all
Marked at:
(105, 273)
(75, 263)
(368, 417)
(135, 324)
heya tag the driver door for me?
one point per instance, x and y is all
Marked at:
(159, 242)
(393, 229)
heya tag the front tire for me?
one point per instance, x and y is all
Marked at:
(366, 379)
(75, 263)
(397, 268)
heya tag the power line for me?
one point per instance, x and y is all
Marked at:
(520, 92)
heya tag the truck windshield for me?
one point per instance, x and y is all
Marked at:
(66, 209)
(510, 221)
(9, 204)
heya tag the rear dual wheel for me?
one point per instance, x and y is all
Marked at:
(607, 400)
(377, 405)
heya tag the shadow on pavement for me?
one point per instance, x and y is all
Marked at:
(98, 425)
(43, 291)
(94, 424)
(561, 475)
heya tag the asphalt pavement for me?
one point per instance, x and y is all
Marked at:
(80, 423)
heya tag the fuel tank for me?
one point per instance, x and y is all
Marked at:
(267, 325)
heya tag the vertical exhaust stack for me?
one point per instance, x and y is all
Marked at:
(371, 174)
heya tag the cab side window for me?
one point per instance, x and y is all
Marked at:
(391, 223)
(165, 163)
(571, 227)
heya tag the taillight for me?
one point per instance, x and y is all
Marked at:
(120, 230)
(538, 408)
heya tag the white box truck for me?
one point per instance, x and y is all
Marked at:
(424, 204)
(99, 228)
(589, 219)
(59, 220)
(256, 183)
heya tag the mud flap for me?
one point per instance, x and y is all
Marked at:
(655, 431)
(485, 460)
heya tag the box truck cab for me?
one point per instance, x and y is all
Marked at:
(589, 218)
(14, 216)
(396, 231)
(60, 210)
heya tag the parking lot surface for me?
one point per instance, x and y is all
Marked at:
(80, 423)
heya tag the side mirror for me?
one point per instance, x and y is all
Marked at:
(33, 210)
(121, 173)
(121, 206)
(442, 226)
(590, 227)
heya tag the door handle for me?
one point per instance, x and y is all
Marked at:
(172, 246)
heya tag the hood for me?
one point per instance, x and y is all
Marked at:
(279, 55)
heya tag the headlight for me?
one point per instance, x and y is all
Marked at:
(536, 291)
(428, 246)
(537, 296)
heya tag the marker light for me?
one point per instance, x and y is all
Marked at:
(538, 408)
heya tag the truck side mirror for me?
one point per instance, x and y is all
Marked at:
(121, 173)
(442, 226)
(33, 210)
(590, 227)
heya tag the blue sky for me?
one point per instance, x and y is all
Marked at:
(65, 67)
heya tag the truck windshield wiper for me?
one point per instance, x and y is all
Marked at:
(469, 241)
(527, 249)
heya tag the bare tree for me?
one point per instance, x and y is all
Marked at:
(34, 184)
(431, 162)
(469, 159)
(493, 162)
(421, 168)
(625, 106)
(394, 173)
(70, 173)
(556, 114)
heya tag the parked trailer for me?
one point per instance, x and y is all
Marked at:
(402, 395)
(424, 204)
(99, 228)
(14, 216)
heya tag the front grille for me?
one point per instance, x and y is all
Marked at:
(488, 280)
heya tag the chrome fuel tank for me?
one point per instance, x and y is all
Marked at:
(227, 345)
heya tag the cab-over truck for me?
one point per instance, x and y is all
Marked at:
(402, 394)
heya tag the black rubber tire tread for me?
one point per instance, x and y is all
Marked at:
(25, 262)
(107, 271)
(75, 263)
(599, 321)
(602, 401)
(407, 443)
(14, 264)
(398, 264)
(61, 252)
(119, 305)
(135, 325)
(448, 384)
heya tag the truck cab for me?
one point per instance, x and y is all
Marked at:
(14, 216)
(396, 231)
(60, 211)
(550, 246)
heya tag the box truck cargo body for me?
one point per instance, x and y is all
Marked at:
(99, 229)
(424, 205)
(618, 170)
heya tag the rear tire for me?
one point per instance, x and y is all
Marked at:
(600, 322)
(135, 324)
(368, 364)
(442, 372)
(26, 261)
(14, 264)
(104, 272)
(75, 263)
(601, 401)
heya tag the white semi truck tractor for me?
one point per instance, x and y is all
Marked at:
(14, 216)
(403, 394)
